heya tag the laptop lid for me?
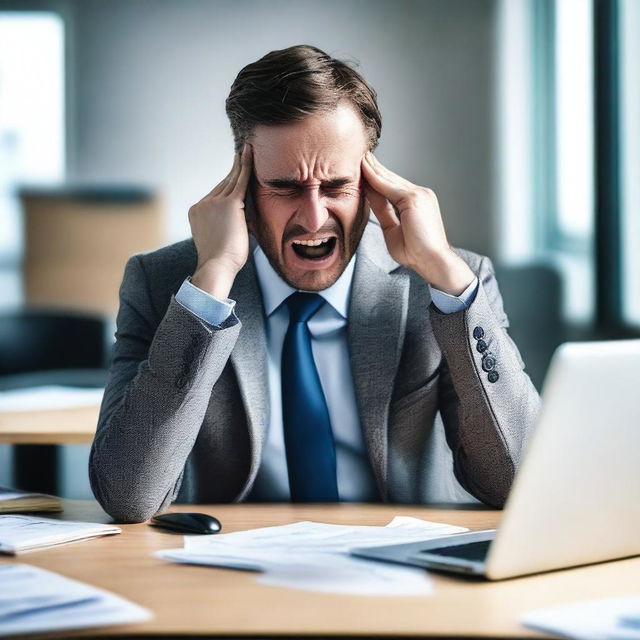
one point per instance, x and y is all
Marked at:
(575, 498)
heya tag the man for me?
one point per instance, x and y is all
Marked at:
(296, 349)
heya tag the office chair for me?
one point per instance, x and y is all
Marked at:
(532, 296)
(37, 341)
(46, 347)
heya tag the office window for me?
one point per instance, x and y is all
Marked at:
(545, 120)
(630, 157)
(574, 120)
(31, 114)
(514, 120)
(569, 233)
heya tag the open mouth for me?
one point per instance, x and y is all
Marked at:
(314, 249)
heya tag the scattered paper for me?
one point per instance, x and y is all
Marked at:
(348, 575)
(20, 533)
(12, 501)
(49, 397)
(33, 600)
(607, 619)
(10, 494)
(314, 555)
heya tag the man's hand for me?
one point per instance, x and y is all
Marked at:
(219, 230)
(413, 230)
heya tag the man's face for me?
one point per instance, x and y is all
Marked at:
(306, 187)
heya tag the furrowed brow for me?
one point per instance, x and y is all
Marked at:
(285, 183)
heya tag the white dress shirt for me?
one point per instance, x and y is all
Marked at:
(328, 329)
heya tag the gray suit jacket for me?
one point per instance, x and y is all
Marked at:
(186, 405)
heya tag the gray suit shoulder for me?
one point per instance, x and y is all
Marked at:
(165, 270)
(473, 259)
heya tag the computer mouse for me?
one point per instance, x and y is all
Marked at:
(188, 523)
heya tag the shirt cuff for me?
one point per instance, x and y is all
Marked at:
(205, 306)
(450, 304)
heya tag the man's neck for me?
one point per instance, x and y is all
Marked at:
(275, 290)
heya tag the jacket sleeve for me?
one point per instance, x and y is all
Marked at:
(487, 401)
(159, 386)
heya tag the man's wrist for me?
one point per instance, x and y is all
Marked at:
(214, 279)
(448, 273)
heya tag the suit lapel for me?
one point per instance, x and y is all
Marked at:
(249, 357)
(377, 319)
(375, 333)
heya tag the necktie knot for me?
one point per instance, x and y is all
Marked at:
(303, 305)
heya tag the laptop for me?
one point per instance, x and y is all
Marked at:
(576, 497)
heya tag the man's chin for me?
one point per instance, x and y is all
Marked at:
(312, 280)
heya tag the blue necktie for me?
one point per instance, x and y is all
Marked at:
(311, 455)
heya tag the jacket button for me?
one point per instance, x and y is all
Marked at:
(488, 363)
(481, 346)
(478, 333)
(493, 376)
(181, 382)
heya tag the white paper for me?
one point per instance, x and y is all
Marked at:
(49, 397)
(315, 555)
(9, 494)
(607, 619)
(23, 533)
(33, 600)
(349, 575)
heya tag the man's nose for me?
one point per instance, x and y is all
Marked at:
(312, 213)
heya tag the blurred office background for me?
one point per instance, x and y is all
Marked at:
(522, 115)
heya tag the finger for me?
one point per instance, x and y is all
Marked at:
(245, 171)
(219, 188)
(382, 209)
(380, 169)
(233, 176)
(383, 185)
(249, 210)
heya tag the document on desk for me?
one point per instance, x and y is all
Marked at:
(20, 533)
(315, 555)
(15, 501)
(33, 600)
(49, 397)
(606, 619)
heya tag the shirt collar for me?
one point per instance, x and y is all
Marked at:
(275, 290)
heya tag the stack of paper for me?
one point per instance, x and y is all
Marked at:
(313, 555)
(26, 533)
(33, 600)
(49, 397)
(14, 501)
(607, 619)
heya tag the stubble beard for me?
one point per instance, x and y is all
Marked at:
(312, 280)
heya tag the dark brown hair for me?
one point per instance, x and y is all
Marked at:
(292, 84)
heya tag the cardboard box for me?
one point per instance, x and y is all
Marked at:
(77, 242)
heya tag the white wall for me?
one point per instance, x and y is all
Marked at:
(150, 80)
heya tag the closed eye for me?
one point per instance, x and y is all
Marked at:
(338, 192)
(286, 193)
(342, 192)
(330, 192)
(336, 188)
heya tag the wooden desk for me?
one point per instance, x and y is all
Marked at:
(205, 601)
(49, 426)
(36, 467)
